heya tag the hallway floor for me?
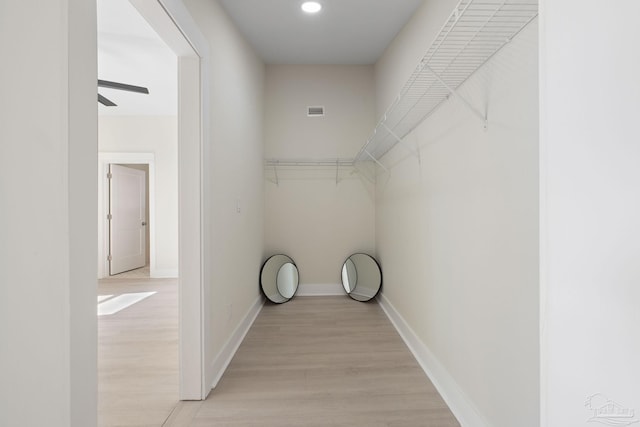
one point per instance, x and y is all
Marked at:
(314, 361)
(320, 361)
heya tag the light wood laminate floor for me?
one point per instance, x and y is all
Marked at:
(320, 361)
(138, 355)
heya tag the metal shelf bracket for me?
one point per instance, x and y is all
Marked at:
(459, 97)
(376, 161)
(275, 171)
(415, 152)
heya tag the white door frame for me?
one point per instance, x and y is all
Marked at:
(104, 159)
(173, 23)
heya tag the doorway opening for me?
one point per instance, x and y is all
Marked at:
(138, 366)
(172, 23)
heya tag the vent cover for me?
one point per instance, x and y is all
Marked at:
(316, 111)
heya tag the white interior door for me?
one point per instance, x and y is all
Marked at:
(127, 213)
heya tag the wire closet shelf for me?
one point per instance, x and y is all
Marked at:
(274, 167)
(475, 31)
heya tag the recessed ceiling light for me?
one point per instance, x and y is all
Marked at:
(311, 7)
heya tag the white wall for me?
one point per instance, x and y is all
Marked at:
(48, 151)
(346, 92)
(157, 135)
(308, 216)
(457, 235)
(590, 209)
(234, 177)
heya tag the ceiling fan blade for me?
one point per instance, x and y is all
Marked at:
(105, 101)
(122, 86)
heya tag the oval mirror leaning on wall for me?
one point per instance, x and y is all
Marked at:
(279, 279)
(361, 277)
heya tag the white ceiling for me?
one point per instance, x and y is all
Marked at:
(344, 32)
(130, 51)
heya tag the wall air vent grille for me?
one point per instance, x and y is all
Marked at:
(315, 111)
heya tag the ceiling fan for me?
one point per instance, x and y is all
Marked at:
(120, 86)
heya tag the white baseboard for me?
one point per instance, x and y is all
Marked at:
(459, 403)
(163, 274)
(318, 290)
(222, 360)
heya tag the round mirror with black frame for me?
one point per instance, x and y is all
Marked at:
(361, 277)
(279, 279)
